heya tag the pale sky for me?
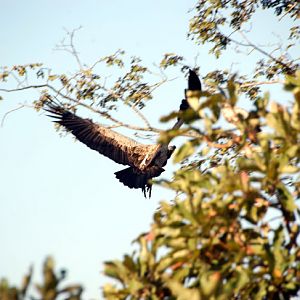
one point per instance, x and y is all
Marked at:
(58, 197)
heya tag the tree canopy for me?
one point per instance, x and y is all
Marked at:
(232, 230)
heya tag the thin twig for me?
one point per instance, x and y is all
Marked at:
(73, 47)
(264, 52)
(77, 102)
(119, 51)
(70, 47)
(141, 115)
(288, 11)
(12, 110)
(274, 219)
(104, 114)
(254, 47)
(250, 84)
(218, 146)
(24, 88)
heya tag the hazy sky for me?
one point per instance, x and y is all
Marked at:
(58, 197)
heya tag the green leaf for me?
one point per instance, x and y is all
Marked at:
(111, 270)
(184, 151)
(295, 118)
(193, 99)
(52, 77)
(278, 252)
(209, 282)
(129, 263)
(232, 92)
(182, 293)
(289, 169)
(242, 278)
(169, 117)
(286, 199)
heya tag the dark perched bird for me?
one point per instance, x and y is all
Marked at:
(144, 161)
(194, 83)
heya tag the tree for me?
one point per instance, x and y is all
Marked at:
(233, 229)
(49, 289)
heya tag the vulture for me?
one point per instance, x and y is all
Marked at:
(144, 161)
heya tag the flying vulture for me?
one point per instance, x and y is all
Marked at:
(144, 161)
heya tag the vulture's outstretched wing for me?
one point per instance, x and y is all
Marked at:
(144, 161)
(112, 144)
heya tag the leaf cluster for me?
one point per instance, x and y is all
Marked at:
(215, 22)
(232, 231)
(49, 289)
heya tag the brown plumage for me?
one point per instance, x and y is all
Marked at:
(144, 161)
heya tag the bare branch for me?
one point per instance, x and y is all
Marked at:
(257, 48)
(119, 51)
(10, 111)
(293, 6)
(250, 44)
(70, 46)
(141, 115)
(153, 88)
(73, 47)
(78, 102)
(24, 88)
(17, 79)
(104, 114)
(250, 84)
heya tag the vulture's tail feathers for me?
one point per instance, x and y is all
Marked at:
(135, 179)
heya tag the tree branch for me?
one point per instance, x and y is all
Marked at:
(70, 47)
(138, 112)
(250, 84)
(293, 6)
(250, 44)
(10, 111)
(24, 88)
(78, 102)
(255, 47)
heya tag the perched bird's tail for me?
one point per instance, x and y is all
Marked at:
(135, 179)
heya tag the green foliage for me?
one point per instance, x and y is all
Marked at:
(130, 88)
(170, 59)
(214, 20)
(49, 289)
(232, 231)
